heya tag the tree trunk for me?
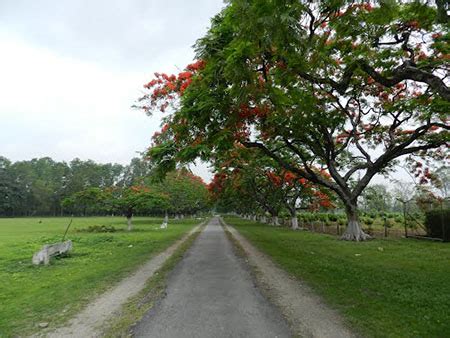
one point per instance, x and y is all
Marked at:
(165, 222)
(275, 221)
(294, 222)
(129, 215)
(263, 219)
(353, 232)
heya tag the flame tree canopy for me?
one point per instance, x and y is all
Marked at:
(248, 182)
(346, 87)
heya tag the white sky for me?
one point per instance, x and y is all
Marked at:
(70, 71)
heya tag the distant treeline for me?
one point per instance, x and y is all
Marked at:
(38, 187)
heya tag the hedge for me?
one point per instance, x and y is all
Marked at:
(437, 224)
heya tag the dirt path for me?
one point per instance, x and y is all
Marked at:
(211, 294)
(89, 322)
(304, 310)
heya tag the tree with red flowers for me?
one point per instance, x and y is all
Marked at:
(248, 175)
(344, 87)
(228, 195)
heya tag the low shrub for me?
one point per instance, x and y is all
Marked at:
(368, 221)
(99, 228)
(332, 218)
(388, 223)
(323, 217)
(372, 214)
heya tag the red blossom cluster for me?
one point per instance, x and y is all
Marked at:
(274, 178)
(165, 128)
(364, 7)
(342, 137)
(323, 199)
(196, 66)
(423, 173)
(289, 177)
(319, 198)
(247, 112)
(217, 183)
(242, 132)
(165, 88)
(405, 132)
(157, 134)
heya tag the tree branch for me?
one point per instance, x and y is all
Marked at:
(407, 71)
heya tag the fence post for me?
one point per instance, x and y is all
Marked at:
(442, 222)
(404, 219)
(385, 226)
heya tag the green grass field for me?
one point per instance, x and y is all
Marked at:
(383, 288)
(32, 294)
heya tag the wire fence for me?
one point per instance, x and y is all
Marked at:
(407, 222)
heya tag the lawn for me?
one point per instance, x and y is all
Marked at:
(383, 288)
(32, 294)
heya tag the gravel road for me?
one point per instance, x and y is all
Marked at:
(211, 293)
(91, 320)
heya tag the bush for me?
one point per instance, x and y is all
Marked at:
(99, 228)
(323, 217)
(332, 218)
(313, 217)
(437, 224)
(388, 223)
(372, 214)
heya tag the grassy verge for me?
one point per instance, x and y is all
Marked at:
(384, 288)
(33, 294)
(135, 309)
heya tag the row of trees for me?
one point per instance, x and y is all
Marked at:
(251, 184)
(38, 186)
(180, 193)
(334, 92)
(46, 187)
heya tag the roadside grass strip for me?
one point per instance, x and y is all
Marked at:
(382, 288)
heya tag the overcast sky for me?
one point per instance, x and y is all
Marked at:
(70, 70)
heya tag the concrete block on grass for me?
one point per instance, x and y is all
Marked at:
(50, 250)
